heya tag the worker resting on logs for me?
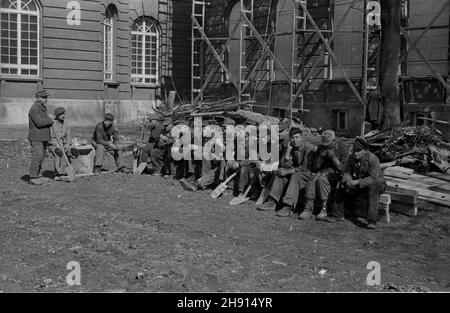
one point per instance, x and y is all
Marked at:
(294, 173)
(105, 140)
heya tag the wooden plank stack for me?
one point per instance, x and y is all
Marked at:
(431, 187)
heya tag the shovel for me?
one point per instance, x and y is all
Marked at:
(222, 187)
(140, 168)
(69, 169)
(241, 199)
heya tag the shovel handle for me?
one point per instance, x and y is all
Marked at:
(61, 148)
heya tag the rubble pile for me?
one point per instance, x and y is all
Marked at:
(421, 148)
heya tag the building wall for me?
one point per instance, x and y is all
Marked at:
(72, 61)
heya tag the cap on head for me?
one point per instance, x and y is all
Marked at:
(59, 111)
(328, 137)
(109, 117)
(228, 121)
(42, 94)
(360, 144)
(294, 131)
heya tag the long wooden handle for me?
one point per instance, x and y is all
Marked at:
(229, 179)
(61, 148)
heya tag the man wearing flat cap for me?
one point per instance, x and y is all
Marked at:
(328, 165)
(363, 178)
(291, 178)
(105, 140)
(60, 138)
(39, 135)
(158, 134)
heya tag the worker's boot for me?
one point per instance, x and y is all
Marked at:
(35, 181)
(323, 212)
(268, 205)
(97, 170)
(284, 211)
(306, 214)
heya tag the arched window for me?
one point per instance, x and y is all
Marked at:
(19, 38)
(144, 52)
(108, 43)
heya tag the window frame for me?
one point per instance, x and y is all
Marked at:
(141, 37)
(338, 120)
(109, 23)
(19, 66)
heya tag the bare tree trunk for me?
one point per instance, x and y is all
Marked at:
(390, 60)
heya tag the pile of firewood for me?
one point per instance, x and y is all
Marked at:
(421, 148)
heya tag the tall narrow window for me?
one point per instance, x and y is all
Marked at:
(144, 52)
(19, 38)
(108, 45)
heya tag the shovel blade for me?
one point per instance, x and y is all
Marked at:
(239, 200)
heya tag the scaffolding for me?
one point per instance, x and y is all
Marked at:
(251, 42)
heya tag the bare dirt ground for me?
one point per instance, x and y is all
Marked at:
(143, 233)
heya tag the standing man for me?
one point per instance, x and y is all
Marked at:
(104, 133)
(60, 137)
(364, 178)
(39, 135)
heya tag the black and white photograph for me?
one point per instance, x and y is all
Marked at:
(225, 153)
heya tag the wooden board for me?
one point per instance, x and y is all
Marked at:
(404, 208)
(408, 191)
(441, 176)
(428, 195)
(443, 195)
(402, 197)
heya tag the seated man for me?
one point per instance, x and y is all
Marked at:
(247, 172)
(211, 170)
(160, 151)
(156, 128)
(363, 178)
(294, 173)
(328, 164)
(60, 138)
(103, 134)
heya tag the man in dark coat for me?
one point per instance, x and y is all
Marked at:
(39, 135)
(291, 178)
(157, 128)
(363, 178)
(104, 133)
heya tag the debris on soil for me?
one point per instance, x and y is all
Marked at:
(323, 272)
(408, 288)
(46, 282)
(421, 148)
